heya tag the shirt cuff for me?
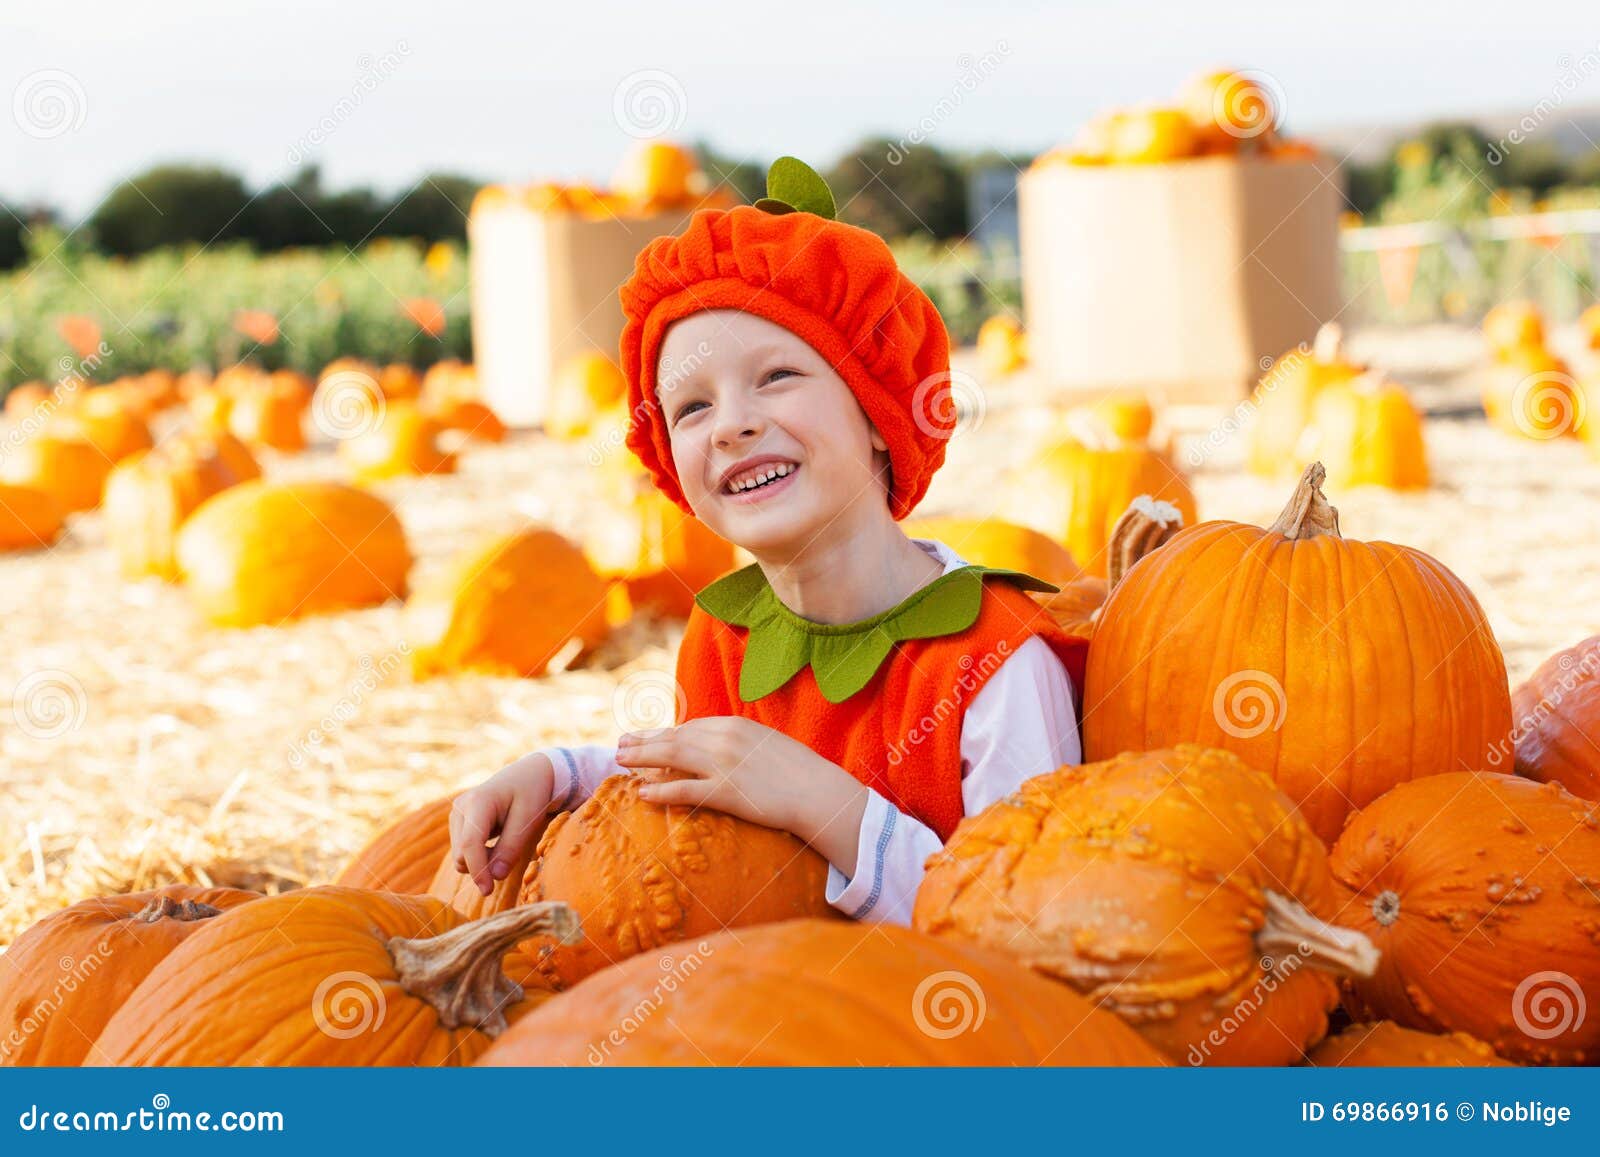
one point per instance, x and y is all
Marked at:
(856, 895)
(564, 785)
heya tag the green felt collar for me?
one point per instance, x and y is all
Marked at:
(842, 656)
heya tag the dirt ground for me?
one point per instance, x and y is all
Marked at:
(162, 749)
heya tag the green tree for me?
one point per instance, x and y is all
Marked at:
(170, 205)
(899, 191)
(747, 178)
(435, 209)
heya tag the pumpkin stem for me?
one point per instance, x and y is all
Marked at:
(1386, 907)
(1328, 345)
(1145, 525)
(1292, 930)
(1309, 512)
(459, 973)
(166, 908)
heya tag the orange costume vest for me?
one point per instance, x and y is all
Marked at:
(883, 698)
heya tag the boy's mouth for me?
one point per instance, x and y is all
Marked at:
(758, 477)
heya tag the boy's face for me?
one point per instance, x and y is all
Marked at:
(745, 399)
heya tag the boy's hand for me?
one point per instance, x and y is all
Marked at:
(756, 773)
(510, 804)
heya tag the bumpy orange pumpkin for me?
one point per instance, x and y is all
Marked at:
(997, 543)
(1557, 713)
(264, 552)
(1385, 1044)
(662, 556)
(148, 497)
(405, 855)
(1513, 324)
(1367, 433)
(1280, 405)
(331, 976)
(584, 386)
(1075, 494)
(69, 470)
(507, 607)
(1339, 667)
(403, 443)
(811, 992)
(29, 518)
(1178, 888)
(1482, 891)
(1531, 393)
(62, 979)
(641, 876)
(458, 889)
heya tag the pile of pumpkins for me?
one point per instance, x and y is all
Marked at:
(1529, 391)
(654, 176)
(1219, 113)
(1358, 830)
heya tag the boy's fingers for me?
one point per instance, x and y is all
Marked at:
(676, 792)
(514, 836)
(477, 825)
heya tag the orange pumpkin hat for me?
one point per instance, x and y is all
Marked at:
(835, 286)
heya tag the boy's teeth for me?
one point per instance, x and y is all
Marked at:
(760, 478)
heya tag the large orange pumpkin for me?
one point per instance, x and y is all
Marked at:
(811, 992)
(331, 976)
(29, 518)
(1385, 1044)
(404, 856)
(997, 543)
(63, 978)
(265, 552)
(507, 607)
(467, 416)
(1482, 891)
(1076, 493)
(641, 876)
(1558, 720)
(1177, 888)
(1339, 667)
(69, 470)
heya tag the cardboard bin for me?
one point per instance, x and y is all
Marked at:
(1176, 279)
(544, 287)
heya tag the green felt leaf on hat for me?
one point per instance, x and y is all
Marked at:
(795, 187)
(842, 656)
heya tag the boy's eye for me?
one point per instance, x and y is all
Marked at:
(779, 373)
(685, 410)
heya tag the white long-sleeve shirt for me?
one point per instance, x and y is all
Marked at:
(1020, 724)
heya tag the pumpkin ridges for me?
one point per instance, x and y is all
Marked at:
(404, 856)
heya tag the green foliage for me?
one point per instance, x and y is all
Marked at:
(898, 192)
(174, 308)
(169, 205)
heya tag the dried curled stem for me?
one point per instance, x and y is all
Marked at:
(1145, 525)
(1309, 512)
(1292, 930)
(458, 972)
(166, 908)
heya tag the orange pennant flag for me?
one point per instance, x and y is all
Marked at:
(81, 332)
(1397, 269)
(426, 313)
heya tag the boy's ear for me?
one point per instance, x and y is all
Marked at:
(878, 440)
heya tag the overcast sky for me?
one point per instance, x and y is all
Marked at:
(379, 93)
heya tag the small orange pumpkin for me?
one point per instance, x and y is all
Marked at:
(148, 497)
(403, 443)
(1513, 325)
(1558, 720)
(404, 856)
(1281, 404)
(29, 518)
(1531, 393)
(69, 470)
(1368, 433)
